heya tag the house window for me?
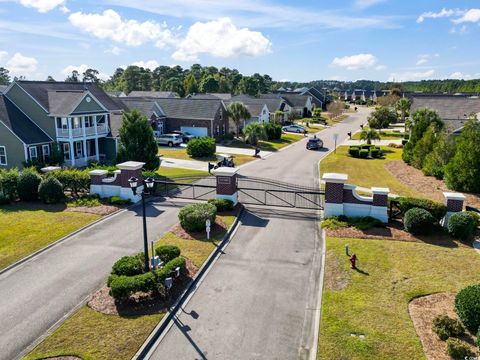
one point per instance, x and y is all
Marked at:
(66, 151)
(218, 129)
(3, 155)
(46, 152)
(33, 152)
(78, 149)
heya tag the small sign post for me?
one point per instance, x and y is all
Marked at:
(207, 228)
(335, 138)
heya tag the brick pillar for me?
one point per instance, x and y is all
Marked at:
(379, 208)
(454, 203)
(334, 184)
(127, 170)
(96, 182)
(226, 183)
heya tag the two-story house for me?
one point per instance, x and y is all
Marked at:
(75, 115)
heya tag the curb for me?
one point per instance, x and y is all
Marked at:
(164, 324)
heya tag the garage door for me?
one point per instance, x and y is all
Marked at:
(195, 131)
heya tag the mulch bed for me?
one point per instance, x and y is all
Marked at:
(217, 228)
(141, 303)
(422, 311)
(394, 231)
(429, 186)
(98, 210)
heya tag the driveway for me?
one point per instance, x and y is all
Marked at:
(260, 299)
(40, 292)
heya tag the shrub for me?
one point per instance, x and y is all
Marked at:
(363, 153)
(166, 271)
(86, 201)
(221, 204)
(364, 223)
(73, 180)
(167, 252)
(467, 306)
(375, 152)
(50, 191)
(457, 349)
(478, 338)
(354, 151)
(192, 217)
(273, 131)
(201, 147)
(437, 210)
(4, 200)
(461, 225)
(476, 216)
(445, 327)
(8, 183)
(117, 200)
(122, 287)
(27, 185)
(128, 266)
(366, 146)
(418, 221)
(334, 222)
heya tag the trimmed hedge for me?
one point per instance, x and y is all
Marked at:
(273, 131)
(73, 180)
(128, 266)
(192, 217)
(467, 306)
(354, 151)
(167, 252)
(461, 225)
(221, 204)
(166, 271)
(418, 221)
(50, 191)
(457, 349)
(8, 183)
(363, 153)
(476, 217)
(375, 152)
(445, 327)
(201, 147)
(27, 185)
(437, 210)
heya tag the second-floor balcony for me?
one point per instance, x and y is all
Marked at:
(78, 132)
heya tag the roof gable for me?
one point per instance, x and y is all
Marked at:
(201, 109)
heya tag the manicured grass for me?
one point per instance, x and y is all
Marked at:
(384, 135)
(95, 336)
(272, 145)
(181, 153)
(177, 172)
(338, 119)
(367, 172)
(27, 228)
(375, 301)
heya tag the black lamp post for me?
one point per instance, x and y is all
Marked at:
(147, 186)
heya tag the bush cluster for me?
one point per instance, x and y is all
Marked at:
(50, 191)
(27, 185)
(221, 204)
(201, 147)
(445, 327)
(461, 225)
(467, 307)
(8, 183)
(437, 210)
(167, 253)
(192, 217)
(418, 221)
(273, 131)
(457, 349)
(364, 151)
(361, 223)
(73, 180)
(128, 266)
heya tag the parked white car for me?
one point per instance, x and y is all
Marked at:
(169, 139)
(294, 128)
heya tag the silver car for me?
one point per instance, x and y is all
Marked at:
(294, 128)
(169, 139)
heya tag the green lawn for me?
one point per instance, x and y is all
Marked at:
(272, 145)
(384, 135)
(337, 119)
(25, 229)
(92, 335)
(181, 153)
(170, 172)
(375, 301)
(367, 172)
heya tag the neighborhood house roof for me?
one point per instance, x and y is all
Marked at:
(201, 109)
(295, 100)
(255, 105)
(40, 90)
(153, 94)
(20, 124)
(146, 107)
(64, 102)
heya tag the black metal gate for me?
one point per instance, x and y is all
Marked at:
(258, 191)
(186, 187)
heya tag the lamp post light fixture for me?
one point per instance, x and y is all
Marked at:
(147, 187)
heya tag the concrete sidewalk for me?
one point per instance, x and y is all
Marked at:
(375, 142)
(184, 164)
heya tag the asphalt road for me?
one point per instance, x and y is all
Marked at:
(40, 292)
(259, 300)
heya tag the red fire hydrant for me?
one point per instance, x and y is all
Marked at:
(353, 261)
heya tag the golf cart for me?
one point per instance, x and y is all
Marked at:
(225, 160)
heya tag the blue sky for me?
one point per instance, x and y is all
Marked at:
(297, 41)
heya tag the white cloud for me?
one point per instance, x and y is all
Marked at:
(3, 55)
(435, 15)
(114, 50)
(221, 38)
(150, 64)
(355, 62)
(21, 65)
(81, 69)
(425, 58)
(110, 25)
(472, 15)
(411, 76)
(43, 5)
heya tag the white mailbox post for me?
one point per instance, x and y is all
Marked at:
(207, 228)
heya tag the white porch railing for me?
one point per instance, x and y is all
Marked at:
(78, 132)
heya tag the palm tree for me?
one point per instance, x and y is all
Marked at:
(238, 113)
(403, 105)
(254, 132)
(369, 135)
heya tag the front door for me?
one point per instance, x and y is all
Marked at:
(78, 149)
(66, 151)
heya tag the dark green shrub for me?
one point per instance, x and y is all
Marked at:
(478, 338)
(128, 266)
(445, 327)
(50, 191)
(437, 210)
(167, 252)
(467, 306)
(221, 204)
(457, 349)
(364, 223)
(375, 152)
(166, 271)
(122, 287)
(73, 180)
(27, 185)
(8, 183)
(476, 216)
(201, 147)
(404, 142)
(192, 217)
(4, 200)
(418, 221)
(461, 225)
(273, 131)
(117, 200)
(363, 153)
(334, 222)
(354, 151)
(366, 146)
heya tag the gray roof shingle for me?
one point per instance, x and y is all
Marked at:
(20, 124)
(201, 109)
(146, 106)
(63, 102)
(153, 94)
